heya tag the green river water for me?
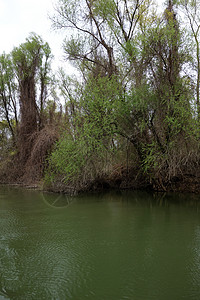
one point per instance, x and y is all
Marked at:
(108, 246)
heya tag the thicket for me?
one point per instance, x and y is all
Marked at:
(132, 116)
(26, 107)
(135, 111)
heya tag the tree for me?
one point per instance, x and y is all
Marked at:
(8, 94)
(169, 118)
(84, 153)
(191, 9)
(150, 110)
(100, 30)
(32, 65)
(104, 37)
(28, 113)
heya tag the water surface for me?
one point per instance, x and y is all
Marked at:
(109, 246)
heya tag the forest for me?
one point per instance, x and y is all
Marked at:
(130, 119)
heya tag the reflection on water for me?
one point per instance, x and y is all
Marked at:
(115, 245)
(56, 200)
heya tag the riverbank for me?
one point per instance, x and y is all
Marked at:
(184, 184)
(123, 180)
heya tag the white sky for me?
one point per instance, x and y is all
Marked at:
(18, 18)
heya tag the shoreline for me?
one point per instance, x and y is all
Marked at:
(185, 184)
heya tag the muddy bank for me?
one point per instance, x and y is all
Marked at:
(132, 179)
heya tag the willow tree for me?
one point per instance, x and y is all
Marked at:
(191, 10)
(99, 31)
(101, 43)
(31, 64)
(101, 38)
(167, 114)
(165, 59)
(8, 94)
(127, 43)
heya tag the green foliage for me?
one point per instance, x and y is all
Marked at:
(6, 143)
(106, 10)
(135, 100)
(74, 48)
(31, 56)
(86, 153)
(152, 158)
(66, 160)
(8, 93)
(24, 83)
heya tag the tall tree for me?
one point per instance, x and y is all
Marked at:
(142, 53)
(8, 94)
(191, 9)
(100, 30)
(31, 64)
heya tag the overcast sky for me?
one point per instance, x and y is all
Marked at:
(20, 17)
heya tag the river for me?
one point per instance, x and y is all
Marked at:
(107, 246)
